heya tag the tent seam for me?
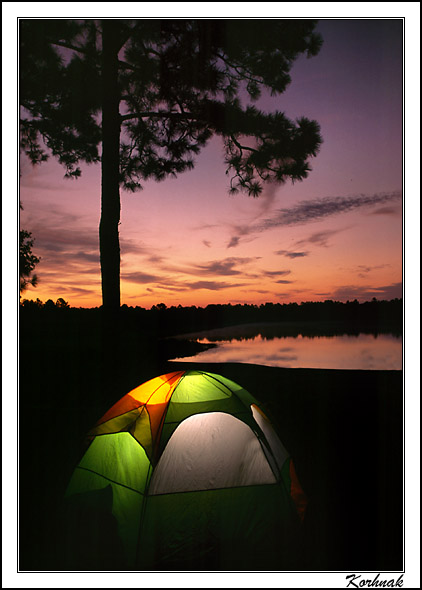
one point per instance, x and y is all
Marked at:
(111, 480)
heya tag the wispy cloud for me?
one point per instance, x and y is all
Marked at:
(267, 198)
(93, 257)
(276, 273)
(317, 209)
(72, 290)
(265, 205)
(155, 258)
(387, 211)
(242, 233)
(260, 291)
(172, 278)
(290, 254)
(131, 246)
(309, 211)
(226, 267)
(364, 270)
(141, 277)
(65, 237)
(366, 293)
(233, 242)
(320, 238)
(170, 287)
(213, 285)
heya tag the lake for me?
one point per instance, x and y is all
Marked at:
(262, 346)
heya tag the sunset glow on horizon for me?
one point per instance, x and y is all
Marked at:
(336, 235)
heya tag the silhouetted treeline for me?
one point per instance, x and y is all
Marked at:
(314, 317)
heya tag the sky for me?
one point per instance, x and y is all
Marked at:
(336, 235)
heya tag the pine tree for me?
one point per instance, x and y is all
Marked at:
(144, 97)
(27, 261)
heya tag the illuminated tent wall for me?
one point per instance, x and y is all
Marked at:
(187, 473)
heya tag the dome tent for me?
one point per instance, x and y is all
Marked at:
(186, 472)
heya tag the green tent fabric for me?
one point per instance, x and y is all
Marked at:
(187, 473)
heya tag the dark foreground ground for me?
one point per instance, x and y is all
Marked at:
(344, 430)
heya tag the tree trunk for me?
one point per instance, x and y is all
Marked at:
(110, 171)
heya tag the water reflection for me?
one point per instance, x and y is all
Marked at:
(339, 351)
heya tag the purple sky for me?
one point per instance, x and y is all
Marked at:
(186, 241)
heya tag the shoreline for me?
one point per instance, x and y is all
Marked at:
(287, 328)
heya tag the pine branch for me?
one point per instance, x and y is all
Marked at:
(68, 46)
(242, 73)
(159, 114)
(242, 147)
(127, 66)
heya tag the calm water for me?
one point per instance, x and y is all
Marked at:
(364, 351)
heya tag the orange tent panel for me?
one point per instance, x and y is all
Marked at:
(155, 391)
